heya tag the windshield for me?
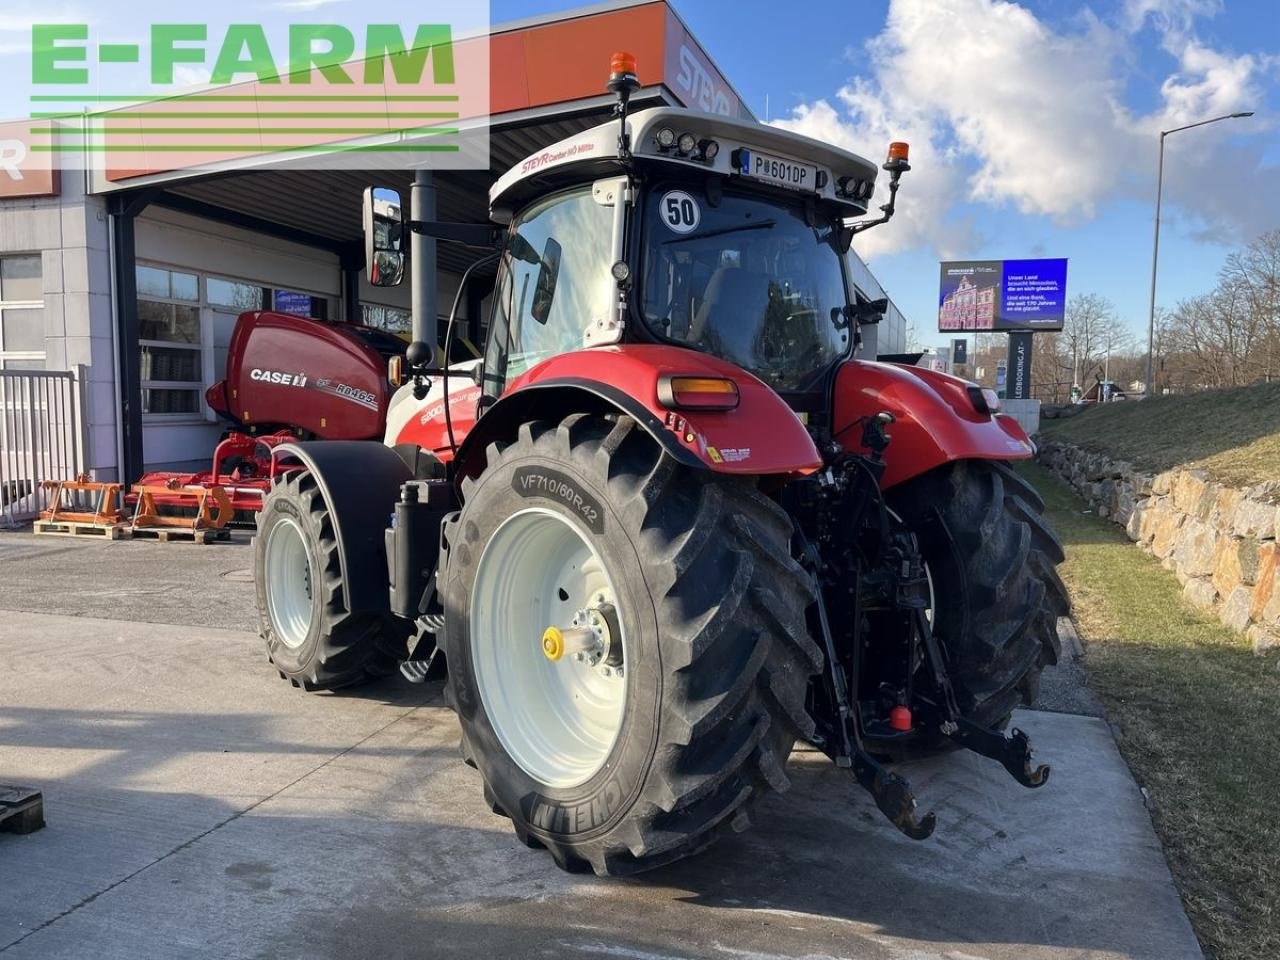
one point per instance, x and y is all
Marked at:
(745, 279)
(553, 284)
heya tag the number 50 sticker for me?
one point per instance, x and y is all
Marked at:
(679, 211)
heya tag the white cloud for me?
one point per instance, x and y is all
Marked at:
(1003, 110)
(1172, 17)
(864, 126)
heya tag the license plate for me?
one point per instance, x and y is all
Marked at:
(770, 169)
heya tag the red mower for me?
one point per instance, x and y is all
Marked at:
(670, 524)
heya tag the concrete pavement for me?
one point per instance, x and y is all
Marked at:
(177, 582)
(199, 807)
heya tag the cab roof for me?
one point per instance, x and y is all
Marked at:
(828, 173)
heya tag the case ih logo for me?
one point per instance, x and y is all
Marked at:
(278, 376)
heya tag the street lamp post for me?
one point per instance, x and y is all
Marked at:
(1155, 246)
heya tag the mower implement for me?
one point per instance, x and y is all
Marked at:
(200, 507)
(669, 524)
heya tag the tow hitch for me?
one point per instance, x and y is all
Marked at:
(893, 796)
(1013, 752)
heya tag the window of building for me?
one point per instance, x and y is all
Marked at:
(171, 340)
(234, 296)
(390, 319)
(21, 313)
(302, 304)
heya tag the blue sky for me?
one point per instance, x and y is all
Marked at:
(1079, 103)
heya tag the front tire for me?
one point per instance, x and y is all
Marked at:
(312, 638)
(696, 571)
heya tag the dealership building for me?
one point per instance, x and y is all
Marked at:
(131, 280)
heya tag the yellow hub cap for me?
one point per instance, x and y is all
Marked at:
(553, 644)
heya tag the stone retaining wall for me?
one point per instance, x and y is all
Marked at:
(1220, 541)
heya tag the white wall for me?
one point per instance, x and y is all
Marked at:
(181, 240)
(71, 232)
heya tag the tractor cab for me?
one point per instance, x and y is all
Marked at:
(685, 229)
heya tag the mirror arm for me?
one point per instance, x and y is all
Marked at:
(469, 234)
(896, 169)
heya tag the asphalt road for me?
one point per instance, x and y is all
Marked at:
(199, 807)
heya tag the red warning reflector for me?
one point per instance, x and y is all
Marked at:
(900, 718)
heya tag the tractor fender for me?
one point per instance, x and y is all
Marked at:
(360, 481)
(937, 420)
(761, 436)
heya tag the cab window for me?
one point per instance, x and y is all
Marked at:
(554, 284)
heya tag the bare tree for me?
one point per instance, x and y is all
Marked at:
(1218, 339)
(1051, 377)
(1254, 273)
(1092, 333)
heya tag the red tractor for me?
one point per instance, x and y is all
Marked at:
(670, 524)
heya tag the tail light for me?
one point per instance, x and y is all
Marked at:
(697, 393)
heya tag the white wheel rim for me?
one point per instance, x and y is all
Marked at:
(289, 582)
(557, 720)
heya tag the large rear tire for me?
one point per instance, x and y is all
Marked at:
(704, 613)
(312, 638)
(997, 596)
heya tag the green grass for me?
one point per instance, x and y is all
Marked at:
(1234, 434)
(1198, 720)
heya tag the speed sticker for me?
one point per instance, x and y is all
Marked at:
(679, 211)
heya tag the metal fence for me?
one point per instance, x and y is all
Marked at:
(43, 436)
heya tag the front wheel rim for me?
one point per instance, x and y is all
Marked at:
(290, 582)
(557, 719)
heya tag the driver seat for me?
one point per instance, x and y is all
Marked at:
(734, 300)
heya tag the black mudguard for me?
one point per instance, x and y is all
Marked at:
(360, 481)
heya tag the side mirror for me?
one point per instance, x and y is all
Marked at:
(544, 290)
(870, 311)
(383, 236)
(522, 249)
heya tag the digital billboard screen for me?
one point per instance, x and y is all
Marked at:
(984, 295)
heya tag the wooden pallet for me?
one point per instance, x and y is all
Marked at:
(63, 528)
(183, 534)
(21, 809)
